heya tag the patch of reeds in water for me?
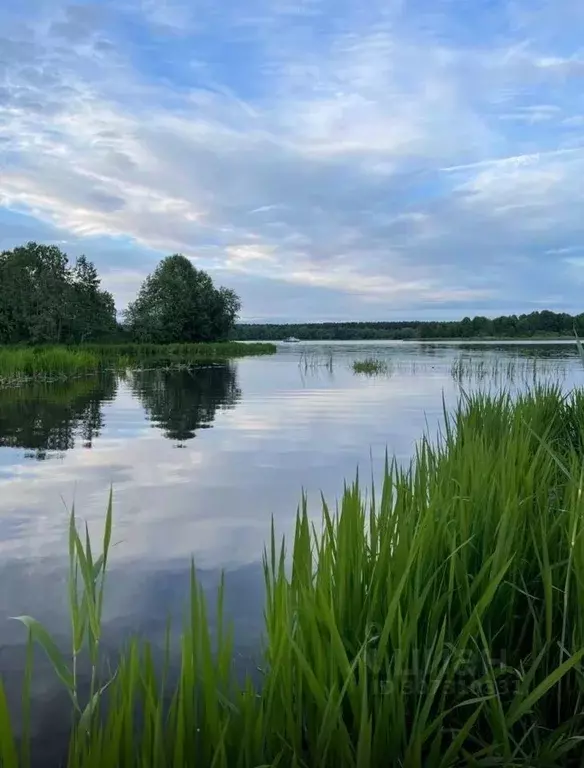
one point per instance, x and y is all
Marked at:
(315, 361)
(499, 372)
(495, 373)
(20, 365)
(181, 353)
(371, 366)
(436, 623)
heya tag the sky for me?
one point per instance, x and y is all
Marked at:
(392, 159)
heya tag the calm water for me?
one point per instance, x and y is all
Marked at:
(199, 463)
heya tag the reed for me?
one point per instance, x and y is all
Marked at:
(434, 622)
(23, 364)
(20, 365)
(314, 361)
(370, 366)
(503, 372)
(180, 353)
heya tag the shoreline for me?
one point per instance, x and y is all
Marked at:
(441, 340)
(25, 364)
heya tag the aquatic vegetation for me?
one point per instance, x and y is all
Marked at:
(370, 366)
(22, 364)
(19, 365)
(314, 361)
(501, 372)
(579, 346)
(437, 621)
(180, 353)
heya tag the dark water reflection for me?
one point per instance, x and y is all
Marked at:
(44, 419)
(252, 434)
(182, 402)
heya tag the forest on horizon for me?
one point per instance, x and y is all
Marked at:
(541, 325)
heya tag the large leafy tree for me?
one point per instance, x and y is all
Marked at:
(93, 312)
(45, 300)
(178, 302)
(32, 287)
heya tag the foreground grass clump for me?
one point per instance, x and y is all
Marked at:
(24, 364)
(438, 623)
(370, 366)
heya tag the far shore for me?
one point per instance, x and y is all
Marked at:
(458, 340)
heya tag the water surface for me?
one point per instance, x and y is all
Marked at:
(200, 461)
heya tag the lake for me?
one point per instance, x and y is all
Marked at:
(199, 462)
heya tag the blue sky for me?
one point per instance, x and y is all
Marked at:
(328, 160)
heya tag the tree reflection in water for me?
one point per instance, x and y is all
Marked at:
(184, 401)
(45, 418)
(51, 418)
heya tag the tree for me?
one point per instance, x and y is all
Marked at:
(93, 312)
(178, 302)
(466, 329)
(43, 300)
(33, 280)
(225, 311)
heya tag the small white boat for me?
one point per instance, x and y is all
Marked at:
(291, 340)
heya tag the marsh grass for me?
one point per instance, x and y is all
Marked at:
(579, 346)
(371, 366)
(21, 365)
(24, 364)
(311, 362)
(436, 621)
(179, 353)
(467, 370)
(502, 372)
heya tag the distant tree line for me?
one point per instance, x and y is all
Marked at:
(46, 300)
(543, 324)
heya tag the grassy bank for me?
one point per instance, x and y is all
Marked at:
(23, 364)
(437, 622)
(179, 353)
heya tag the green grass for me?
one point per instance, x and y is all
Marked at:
(180, 353)
(370, 366)
(19, 365)
(437, 622)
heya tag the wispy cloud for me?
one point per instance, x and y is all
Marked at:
(323, 160)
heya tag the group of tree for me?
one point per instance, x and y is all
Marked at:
(178, 302)
(543, 324)
(46, 300)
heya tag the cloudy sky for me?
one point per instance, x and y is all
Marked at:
(328, 160)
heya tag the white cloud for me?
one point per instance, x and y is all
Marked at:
(371, 155)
